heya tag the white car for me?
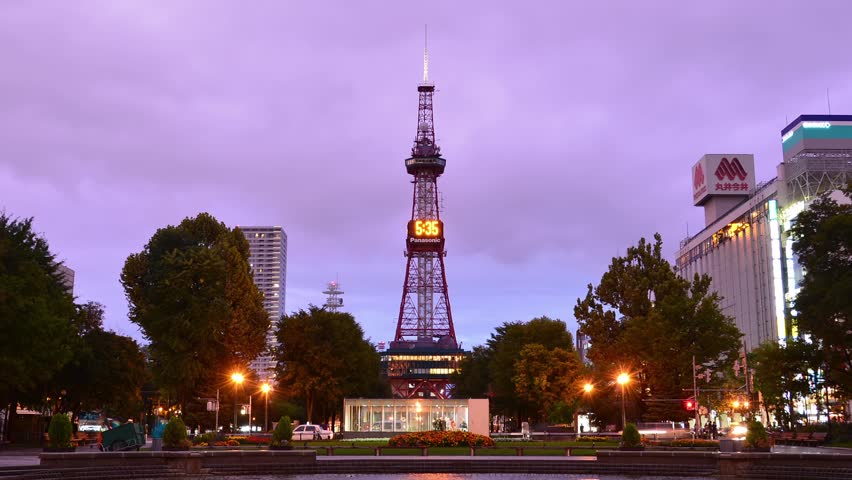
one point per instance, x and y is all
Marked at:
(312, 432)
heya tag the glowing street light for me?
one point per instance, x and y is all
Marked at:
(622, 379)
(265, 389)
(587, 388)
(237, 378)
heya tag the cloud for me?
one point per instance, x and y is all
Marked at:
(568, 129)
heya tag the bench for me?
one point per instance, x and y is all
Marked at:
(76, 440)
(815, 438)
(784, 438)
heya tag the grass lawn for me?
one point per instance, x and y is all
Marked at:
(840, 445)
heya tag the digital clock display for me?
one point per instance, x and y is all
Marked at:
(426, 229)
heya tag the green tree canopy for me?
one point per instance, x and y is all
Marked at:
(781, 375)
(191, 291)
(544, 377)
(499, 368)
(107, 370)
(644, 318)
(823, 243)
(35, 313)
(324, 358)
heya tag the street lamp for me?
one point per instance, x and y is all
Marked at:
(238, 379)
(587, 388)
(622, 379)
(265, 389)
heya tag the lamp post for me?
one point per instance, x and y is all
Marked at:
(238, 379)
(265, 389)
(587, 389)
(622, 379)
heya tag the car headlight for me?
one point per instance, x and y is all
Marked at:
(739, 430)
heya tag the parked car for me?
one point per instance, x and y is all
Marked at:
(312, 432)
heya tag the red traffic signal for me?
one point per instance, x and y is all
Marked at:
(689, 404)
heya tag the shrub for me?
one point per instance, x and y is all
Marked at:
(441, 439)
(207, 438)
(756, 436)
(283, 432)
(630, 436)
(59, 431)
(175, 434)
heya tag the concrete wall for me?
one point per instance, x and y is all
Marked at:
(478, 416)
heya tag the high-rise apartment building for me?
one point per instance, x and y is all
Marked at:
(67, 276)
(268, 261)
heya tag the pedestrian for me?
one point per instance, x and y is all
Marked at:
(713, 431)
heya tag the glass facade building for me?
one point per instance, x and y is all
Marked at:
(399, 415)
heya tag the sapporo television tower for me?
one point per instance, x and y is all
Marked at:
(424, 352)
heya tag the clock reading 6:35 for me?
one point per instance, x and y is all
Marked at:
(427, 228)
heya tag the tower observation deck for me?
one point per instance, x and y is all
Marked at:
(424, 352)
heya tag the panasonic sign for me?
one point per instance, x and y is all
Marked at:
(816, 124)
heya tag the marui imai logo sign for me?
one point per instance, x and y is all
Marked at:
(698, 181)
(731, 170)
(733, 176)
(698, 177)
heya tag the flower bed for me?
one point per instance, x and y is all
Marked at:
(687, 443)
(441, 439)
(591, 439)
(253, 440)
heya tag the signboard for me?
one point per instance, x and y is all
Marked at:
(726, 174)
(426, 235)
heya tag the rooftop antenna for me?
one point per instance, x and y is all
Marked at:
(425, 54)
(828, 100)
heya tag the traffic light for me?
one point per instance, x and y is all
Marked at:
(689, 404)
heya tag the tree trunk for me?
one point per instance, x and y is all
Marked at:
(309, 406)
(10, 417)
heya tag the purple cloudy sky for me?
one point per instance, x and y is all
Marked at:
(569, 129)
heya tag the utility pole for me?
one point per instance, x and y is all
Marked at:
(217, 412)
(695, 393)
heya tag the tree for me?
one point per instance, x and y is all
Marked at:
(644, 318)
(823, 243)
(780, 374)
(191, 291)
(492, 370)
(35, 314)
(545, 377)
(324, 358)
(473, 381)
(107, 370)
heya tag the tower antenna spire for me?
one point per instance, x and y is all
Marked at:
(425, 54)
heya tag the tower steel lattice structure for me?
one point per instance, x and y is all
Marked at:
(424, 352)
(334, 296)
